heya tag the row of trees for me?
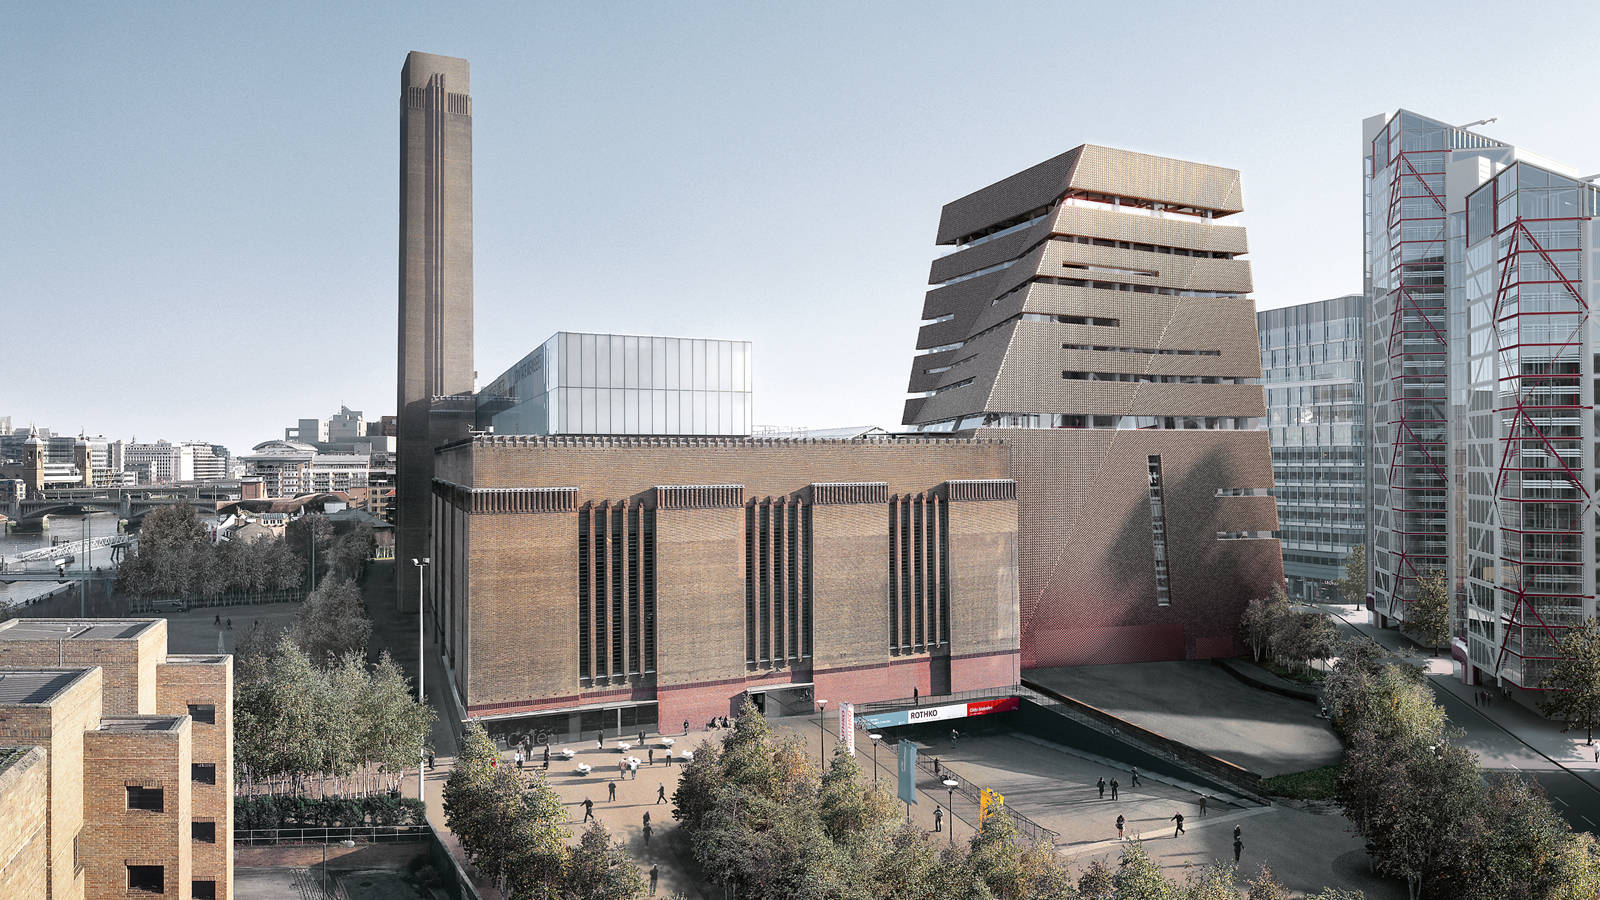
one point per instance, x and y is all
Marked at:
(1427, 620)
(345, 726)
(516, 833)
(1294, 638)
(1426, 810)
(176, 557)
(759, 817)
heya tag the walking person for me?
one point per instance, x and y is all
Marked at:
(647, 834)
(1238, 846)
(1179, 819)
(1202, 806)
(655, 875)
(1114, 789)
(916, 698)
(652, 755)
(952, 739)
(938, 819)
(647, 818)
(611, 788)
(430, 759)
(1135, 781)
(622, 768)
(547, 756)
(641, 738)
(661, 793)
(1237, 831)
(588, 809)
(686, 727)
(1101, 784)
(600, 739)
(1120, 823)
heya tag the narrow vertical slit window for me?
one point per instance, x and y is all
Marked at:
(1158, 532)
(750, 583)
(585, 586)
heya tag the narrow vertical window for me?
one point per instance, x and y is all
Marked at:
(1158, 532)
(750, 583)
(585, 589)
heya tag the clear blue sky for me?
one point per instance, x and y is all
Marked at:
(198, 201)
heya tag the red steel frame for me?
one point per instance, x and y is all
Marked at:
(1411, 394)
(1523, 429)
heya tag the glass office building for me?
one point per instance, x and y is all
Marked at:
(1311, 364)
(616, 384)
(1482, 377)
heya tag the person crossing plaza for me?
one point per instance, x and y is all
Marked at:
(588, 809)
(1179, 819)
(611, 788)
(1101, 784)
(661, 793)
(1121, 823)
(938, 818)
(1114, 789)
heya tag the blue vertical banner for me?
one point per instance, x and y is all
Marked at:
(908, 771)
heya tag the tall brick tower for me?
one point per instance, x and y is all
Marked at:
(435, 360)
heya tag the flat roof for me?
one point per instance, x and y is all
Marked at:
(135, 724)
(193, 659)
(35, 686)
(74, 629)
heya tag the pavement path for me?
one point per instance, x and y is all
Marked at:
(1507, 736)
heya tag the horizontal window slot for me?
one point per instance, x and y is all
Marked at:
(1149, 351)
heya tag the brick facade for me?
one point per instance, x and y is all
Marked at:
(533, 619)
(24, 840)
(109, 710)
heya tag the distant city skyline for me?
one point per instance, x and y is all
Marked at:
(206, 220)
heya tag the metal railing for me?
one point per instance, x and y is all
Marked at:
(937, 699)
(968, 790)
(137, 605)
(361, 834)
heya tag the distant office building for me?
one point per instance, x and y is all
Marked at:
(200, 461)
(346, 425)
(307, 431)
(1094, 312)
(435, 358)
(1481, 356)
(622, 384)
(616, 582)
(155, 463)
(116, 762)
(1311, 362)
(291, 469)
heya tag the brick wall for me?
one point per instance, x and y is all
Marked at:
(183, 680)
(129, 664)
(58, 728)
(24, 841)
(115, 836)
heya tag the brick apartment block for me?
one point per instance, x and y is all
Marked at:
(583, 583)
(116, 762)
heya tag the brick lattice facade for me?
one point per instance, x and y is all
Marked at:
(714, 566)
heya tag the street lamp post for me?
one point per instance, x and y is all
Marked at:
(950, 806)
(876, 740)
(422, 751)
(822, 739)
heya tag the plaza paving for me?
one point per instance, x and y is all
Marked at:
(1199, 704)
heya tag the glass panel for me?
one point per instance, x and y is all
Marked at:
(630, 361)
(618, 361)
(670, 374)
(619, 418)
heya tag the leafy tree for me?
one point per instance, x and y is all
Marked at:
(311, 537)
(514, 836)
(1353, 586)
(171, 557)
(332, 621)
(1428, 617)
(1096, 882)
(1573, 684)
(1301, 637)
(1007, 866)
(1138, 877)
(599, 869)
(1266, 887)
(1260, 621)
(852, 809)
(1212, 882)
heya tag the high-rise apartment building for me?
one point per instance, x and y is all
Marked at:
(435, 359)
(1481, 366)
(116, 763)
(1095, 313)
(622, 384)
(1311, 365)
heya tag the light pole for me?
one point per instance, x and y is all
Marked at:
(822, 739)
(950, 806)
(876, 740)
(83, 600)
(422, 751)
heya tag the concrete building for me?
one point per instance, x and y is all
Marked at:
(435, 359)
(117, 769)
(1094, 312)
(292, 469)
(590, 582)
(1312, 364)
(1478, 285)
(622, 384)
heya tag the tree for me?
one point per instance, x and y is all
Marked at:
(1096, 882)
(332, 621)
(1007, 866)
(1212, 882)
(1573, 683)
(1428, 617)
(172, 556)
(1260, 620)
(513, 836)
(599, 869)
(1353, 586)
(1266, 887)
(1138, 877)
(311, 537)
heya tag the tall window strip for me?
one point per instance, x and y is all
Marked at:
(919, 567)
(777, 582)
(1158, 532)
(616, 592)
